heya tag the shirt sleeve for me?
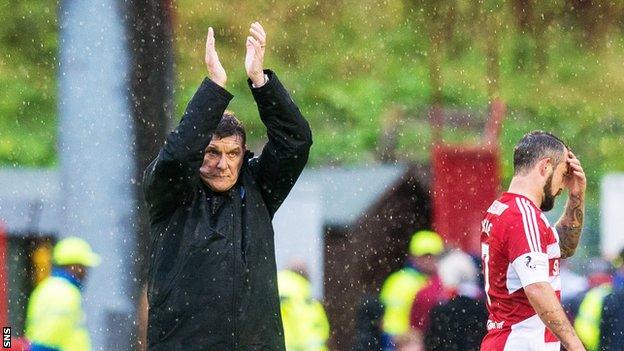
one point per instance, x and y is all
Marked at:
(525, 249)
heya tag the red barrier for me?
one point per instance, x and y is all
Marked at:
(466, 179)
(20, 344)
(4, 279)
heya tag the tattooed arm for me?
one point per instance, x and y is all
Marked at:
(545, 303)
(570, 224)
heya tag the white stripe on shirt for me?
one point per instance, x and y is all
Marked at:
(533, 229)
(525, 224)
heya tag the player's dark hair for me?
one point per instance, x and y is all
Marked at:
(535, 146)
(229, 126)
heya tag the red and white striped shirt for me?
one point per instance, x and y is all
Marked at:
(518, 248)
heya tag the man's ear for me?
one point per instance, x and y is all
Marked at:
(544, 165)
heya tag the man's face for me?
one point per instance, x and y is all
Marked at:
(223, 160)
(427, 264)
(554, 185)
(78, 271)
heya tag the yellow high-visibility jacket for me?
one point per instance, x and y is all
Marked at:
(587, 321)
(306, 327)
(397, 295)
(55, 318)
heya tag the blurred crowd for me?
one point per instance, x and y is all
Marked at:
(437, 302)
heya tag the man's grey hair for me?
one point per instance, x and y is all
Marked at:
(230, 125)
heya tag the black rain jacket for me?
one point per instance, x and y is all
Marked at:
(212, 280)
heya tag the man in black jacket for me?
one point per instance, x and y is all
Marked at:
(459, 323)
(612, 317)
(212, 280)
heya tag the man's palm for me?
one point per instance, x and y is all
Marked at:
(216, 72)
(253, 65)
(254, 58)
(575, 180)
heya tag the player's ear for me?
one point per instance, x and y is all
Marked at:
(544, 165)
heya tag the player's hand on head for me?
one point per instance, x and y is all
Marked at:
(575, 180)
(254, 58)
(216, 72)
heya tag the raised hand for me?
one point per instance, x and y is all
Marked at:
(254, 59)
(216, 72)
(575, 180)
(570, 226)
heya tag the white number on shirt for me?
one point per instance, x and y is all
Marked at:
(485, 255)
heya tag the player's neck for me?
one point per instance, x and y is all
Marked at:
(526, 187)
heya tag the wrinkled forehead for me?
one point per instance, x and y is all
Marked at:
(229, 142)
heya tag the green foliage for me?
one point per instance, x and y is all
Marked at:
(348, 63)
(28, 59)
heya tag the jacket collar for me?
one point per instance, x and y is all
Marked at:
(217, 199)
(410, 265)
(61, 273)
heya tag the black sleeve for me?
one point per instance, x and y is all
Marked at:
(607, 323)
(167, 180)
(284, 156)
(435, 333)
(368, 324)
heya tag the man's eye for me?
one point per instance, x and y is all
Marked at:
(233, 153)
(213, 153)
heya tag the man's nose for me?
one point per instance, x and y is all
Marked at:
(222, 163)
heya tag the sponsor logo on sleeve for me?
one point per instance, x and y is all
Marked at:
(497, 208)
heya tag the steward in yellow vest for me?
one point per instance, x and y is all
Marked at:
(306, 327)
(55, 320)
(587, 321)
(398, 291)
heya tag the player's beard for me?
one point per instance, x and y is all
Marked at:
(549, 198)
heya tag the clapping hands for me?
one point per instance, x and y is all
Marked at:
(254, 58)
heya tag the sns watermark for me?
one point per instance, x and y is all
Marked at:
(6, 337)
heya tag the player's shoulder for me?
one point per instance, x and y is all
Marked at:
(513, 207)
(503, 207)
